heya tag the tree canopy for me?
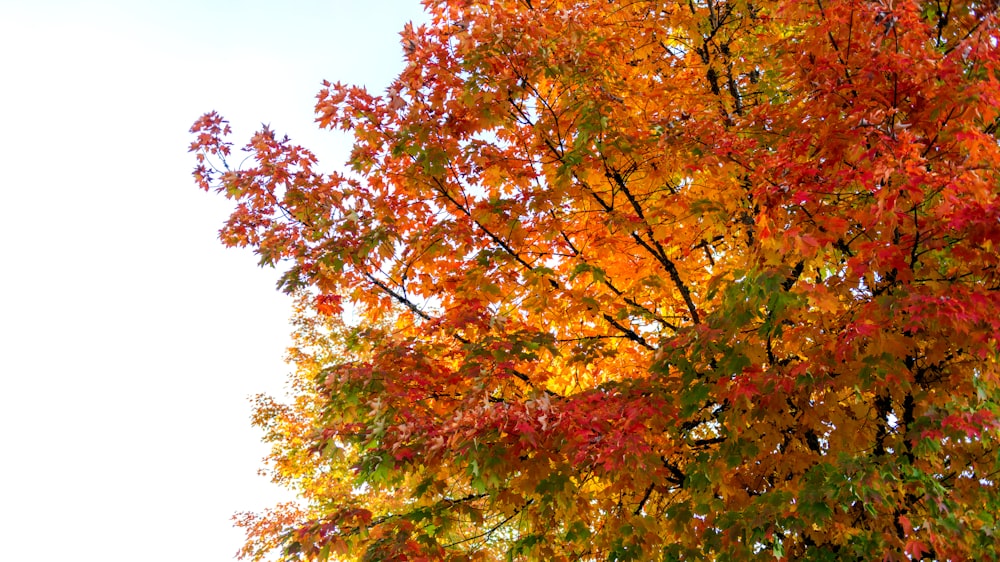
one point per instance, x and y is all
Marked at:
(605, 280)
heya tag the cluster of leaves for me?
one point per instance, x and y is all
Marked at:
(703, 280)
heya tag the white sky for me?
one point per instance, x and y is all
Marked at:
(130, 338)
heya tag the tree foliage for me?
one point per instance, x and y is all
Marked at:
(702, 280)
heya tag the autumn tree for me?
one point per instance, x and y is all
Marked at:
(702, 280)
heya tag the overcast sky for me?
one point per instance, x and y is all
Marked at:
(130, 340)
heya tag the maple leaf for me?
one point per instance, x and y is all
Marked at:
(638, 281)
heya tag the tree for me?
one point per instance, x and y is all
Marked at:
(704, 280)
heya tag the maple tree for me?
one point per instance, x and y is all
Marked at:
(702, 280)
